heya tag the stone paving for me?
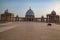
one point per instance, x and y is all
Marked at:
(29, 31)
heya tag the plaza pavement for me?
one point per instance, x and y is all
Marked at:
(29, 31)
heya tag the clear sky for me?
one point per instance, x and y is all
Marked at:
(40, 7)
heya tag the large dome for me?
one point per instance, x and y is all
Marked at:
(53, 12)
(29, 13)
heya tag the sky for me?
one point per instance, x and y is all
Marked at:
(39, 7)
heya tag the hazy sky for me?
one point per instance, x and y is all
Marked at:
(40, 7)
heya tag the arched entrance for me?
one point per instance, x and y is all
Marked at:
(29, 19)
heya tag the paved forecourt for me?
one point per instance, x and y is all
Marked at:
(29, 31)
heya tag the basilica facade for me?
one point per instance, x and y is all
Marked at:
(30, 16)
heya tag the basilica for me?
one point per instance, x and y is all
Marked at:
(29, 16)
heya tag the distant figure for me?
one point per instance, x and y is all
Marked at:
(49, 24)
